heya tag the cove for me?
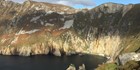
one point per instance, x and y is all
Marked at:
(49, 62)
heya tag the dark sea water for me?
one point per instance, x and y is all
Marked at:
(49, 62)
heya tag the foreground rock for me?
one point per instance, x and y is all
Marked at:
(82, 67)
(57, 52)
(72, 67)
(128, 57)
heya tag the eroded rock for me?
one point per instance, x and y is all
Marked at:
(57, 52)
(128, 57)
(71, 67)
(82, 67)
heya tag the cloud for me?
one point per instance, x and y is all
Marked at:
(72, 2)
(19, 1)
(66, 2)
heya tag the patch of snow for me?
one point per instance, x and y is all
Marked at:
(49, 24)
(35, 18)
(67, 24)
(27, 32)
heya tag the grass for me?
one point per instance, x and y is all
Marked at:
(131, 44)
(108, 66)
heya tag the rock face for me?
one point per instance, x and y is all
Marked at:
(38, 28)
(128, 57)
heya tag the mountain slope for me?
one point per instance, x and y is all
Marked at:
(39, 28)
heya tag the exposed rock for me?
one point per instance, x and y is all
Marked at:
(24, 51)
(6, 51)
(128, 57)
(39, 49)
(82, 67)
(71, 67)
(57, 52)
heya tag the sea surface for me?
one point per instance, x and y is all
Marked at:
(49, 62)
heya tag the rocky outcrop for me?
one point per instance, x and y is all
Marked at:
(25, 50)
(39, 28)
(82, 67)
(72, 67)
(128, 57)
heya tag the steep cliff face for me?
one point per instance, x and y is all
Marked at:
(110, 28)
(39, 28)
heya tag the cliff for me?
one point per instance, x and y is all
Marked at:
(35, 28)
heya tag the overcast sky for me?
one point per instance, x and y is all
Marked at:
(84, 3)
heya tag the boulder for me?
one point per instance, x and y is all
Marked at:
(71, 67)
(128, 57)
(82, 67)
(57, 52)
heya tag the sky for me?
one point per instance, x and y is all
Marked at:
(84, 3)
